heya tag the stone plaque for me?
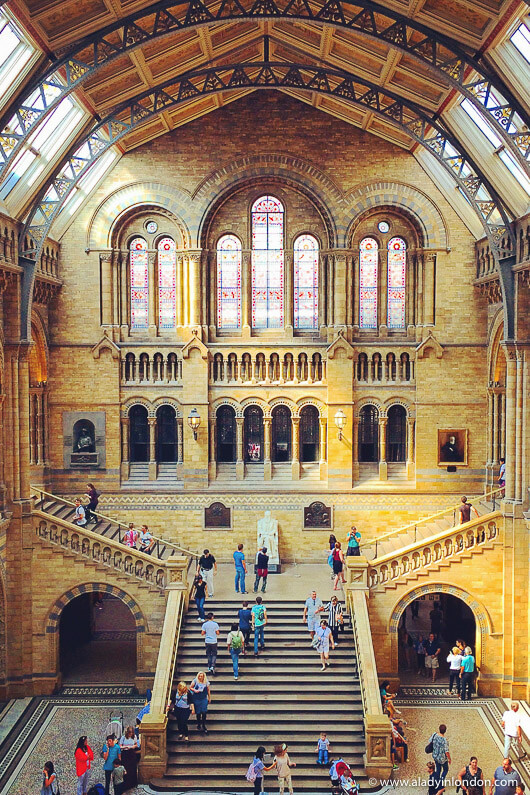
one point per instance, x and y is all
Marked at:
(217, 515)
(317, 515)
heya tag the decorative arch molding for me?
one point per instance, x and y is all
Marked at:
(399, 195)
(179, 233)
(284, 401)
(370, 401)
(41, 342)
(225, 401)
(54, 616)
(392, 401)
(110, 213)
(137, 401)
(167, 401)
(322, 410)
(253, 401)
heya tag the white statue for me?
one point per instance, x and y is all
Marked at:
(268, 537)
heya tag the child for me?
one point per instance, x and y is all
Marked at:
(118, 775)
(283, 766)
(348, 783)
(323, 749)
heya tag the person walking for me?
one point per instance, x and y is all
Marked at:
(465, 509)
(110, 752)
(200, 687)
(335, 617)
(283, 766)
(353, 538)
(199, 592)
(245, 622)
(146, 541)
(50, 784)
(262, 569)
(259, 620)
(338, 565)
(183, 709)
(505, 779)
(502, 475)
(434, 785)
(130, 537)
(325, 638)
(455, 663)
(80, 515)
(467, 669)
(440, 752)
(471, 779)
(419, 647)
(511, 726)
(84, 756)
(210, 632)
(235, 643)
(312, 607)
(207, 568)
(241, 568)
(432, 652)
(93, 499)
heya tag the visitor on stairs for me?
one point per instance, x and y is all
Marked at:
(323, 638)
(131, 536)
(262, 569)
(210, 631)
(353, 539)
(312, 607)
(182, 708)
(84, 756)
(465, 509)
(338, 565)
(335, 617)
(93, 499)
(241, 568)
(256, 770)
(283, 766)
(146, 540)
(235, 643)
(200, 687)
(207, 567)
(322, 749)
(79, 518)
(387, 700)
(245, 620)
(199, 592)
(259, 620)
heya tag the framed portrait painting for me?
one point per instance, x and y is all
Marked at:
(452, 447)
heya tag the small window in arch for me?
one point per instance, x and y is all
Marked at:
(139, 271)
(397, 273)
(368, 262)
(167, 283)
(306, 282)
(228, 282)
(267, 263)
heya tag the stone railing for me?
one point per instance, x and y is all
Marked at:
(377, 760)
(380, 368)
(151, 367)
(101, 550)
(427, 553)
(280, 367)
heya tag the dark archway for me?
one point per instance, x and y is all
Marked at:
(369, 434)
(396, 434)
(139, 434)
(281, 434)
(226, 434)
(309, 434)
(97, 640)
(253, 434)
(166, 434)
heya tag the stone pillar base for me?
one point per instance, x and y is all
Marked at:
(153, 470)
(267, 470)
(153, 762)
(323, 470)
(295, 470)
(240, 470)
(411, 470)
(383, 470)
(152, 331)
(377, 759)
(124, 470)
(212, 471)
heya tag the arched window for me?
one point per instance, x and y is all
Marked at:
(368, 256)
(139, 275)
(167, 284)
(267, 263)
(306, 282)
(228, 282)
(397, 272)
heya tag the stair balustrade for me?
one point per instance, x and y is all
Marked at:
(150, 366)
(307, 367)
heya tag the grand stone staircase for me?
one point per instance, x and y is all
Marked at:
(281, 696)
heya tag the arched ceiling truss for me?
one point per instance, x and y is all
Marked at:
(440, 54)
(419, 125)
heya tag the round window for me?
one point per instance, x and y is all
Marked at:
(151, 227)
(383, 226)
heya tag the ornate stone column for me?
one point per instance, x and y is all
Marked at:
(39, 428)
(246, 294)
(105, 263)
(180, 447)
(32, 432)
(383, 292)
(411, 468)
(383, 467)
(194, 263)
(152, 303)
(495, 429)
(180, 290)
(240, 462)
(295, 463)
(511, 374)
(212, 463)
(124, 448)
(429, 259)
(267, 465)
(322, 464)
(123, 261)
(503, 425)
(519, 424)
(288, 292)
(23, 402)
(355, 448)
(152, 448)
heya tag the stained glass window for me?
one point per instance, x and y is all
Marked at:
(306, 282)
(139, 266)
(368, 256)
(167, 284)
(228, 282)
(267, 263)
(397, 271)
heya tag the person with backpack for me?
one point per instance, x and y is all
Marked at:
(50, 785)
(256, 769)
(259, 619)
(84, 756)
(235, 643)
(80, 518)
(245, 620)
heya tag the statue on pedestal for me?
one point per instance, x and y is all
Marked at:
(268, 537)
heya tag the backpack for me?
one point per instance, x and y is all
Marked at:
(236, 641)
(429, 748)
(250, 775)
(97, 789)
(261, 614)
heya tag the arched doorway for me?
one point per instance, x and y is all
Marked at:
(226, 434)
(396, 434)
(166, 434)
(369, 434)
(139, 434)
(309, 434)
(97, 640)
(253, 434)
(281, 434)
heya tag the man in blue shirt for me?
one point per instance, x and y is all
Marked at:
(111, 751)
(210, 631)
(241, 568)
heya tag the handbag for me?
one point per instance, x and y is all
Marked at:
(315, 643)
(429, 748)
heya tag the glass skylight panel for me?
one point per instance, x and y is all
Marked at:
(15, 52)
(521, 40)
(515, 169)
(481, 122)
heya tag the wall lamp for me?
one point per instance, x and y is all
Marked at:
(194, 420)
(340, 422)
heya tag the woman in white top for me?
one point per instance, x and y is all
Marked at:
(455, 661)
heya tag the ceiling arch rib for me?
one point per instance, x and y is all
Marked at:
(440, 54)
(261, 75)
